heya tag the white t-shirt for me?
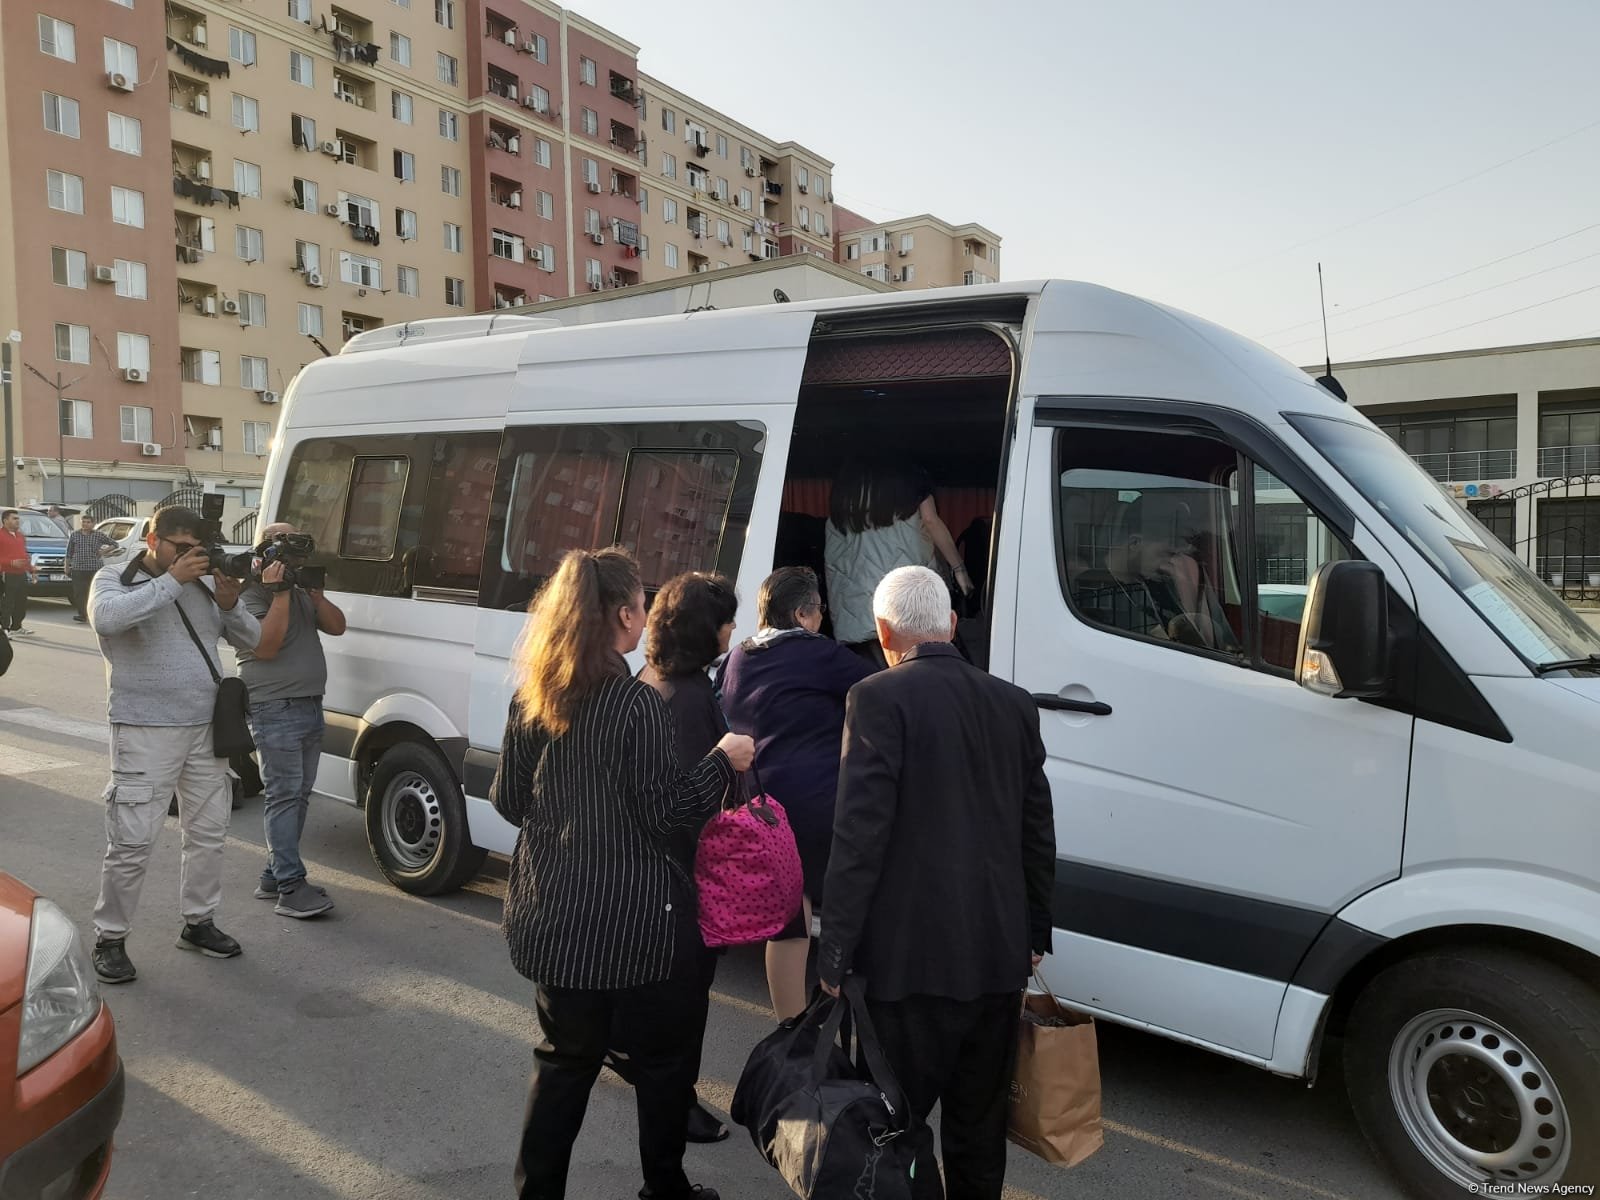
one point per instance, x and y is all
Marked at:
(856, 564)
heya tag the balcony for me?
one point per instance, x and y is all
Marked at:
(1468, 465)
(1557, 462)
(504, 137)
(507, 193)
(622, 88)
(624, 185)
(625, 137)
(354, 90)
(504, 84)
(500, 29)
(351, 35)
(187, 94)
(201, 295)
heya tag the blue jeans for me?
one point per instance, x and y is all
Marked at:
(288, 736)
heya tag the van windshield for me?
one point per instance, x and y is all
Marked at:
(1527, 614)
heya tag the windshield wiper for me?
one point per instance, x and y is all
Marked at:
(1592, 662)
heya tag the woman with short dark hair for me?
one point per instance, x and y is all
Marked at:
(786, 687)
(598, 912)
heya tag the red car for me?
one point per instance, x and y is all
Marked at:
(61, 1079)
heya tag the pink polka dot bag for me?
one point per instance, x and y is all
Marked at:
(747, 871)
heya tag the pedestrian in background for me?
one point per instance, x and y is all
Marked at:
(287, 673)
(86, 548)
(56, 515)
(786, 687)
(939, 884)
(149, 616)
(598, 913)
(16, 570)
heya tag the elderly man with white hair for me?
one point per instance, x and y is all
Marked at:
(939, 882)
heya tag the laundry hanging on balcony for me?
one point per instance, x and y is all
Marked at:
(215, 67)
(204, 193)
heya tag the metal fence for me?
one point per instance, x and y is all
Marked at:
(1559, 524)
(1469, 465)
(106, 507)
(244, 529)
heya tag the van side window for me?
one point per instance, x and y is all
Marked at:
(372, 514)
(456, 514)
(1291, 543)
(678, 494)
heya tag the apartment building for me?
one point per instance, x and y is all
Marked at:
(917, 252)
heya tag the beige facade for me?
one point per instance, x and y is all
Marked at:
(919, 252)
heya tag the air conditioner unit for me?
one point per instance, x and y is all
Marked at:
(202, 169)
(190, 254)
(332, 148)
(314, 278)
(534, 103)
(137, 375)
(333, 210)
(599, 239)
(267, 397)
(201, 105)
(150, 450)
(214, 439)
(105, 275)
(197, 35)
(514, 200)
(594, 188)
(502, 302)
(903, 253)
(231, 307)
(752, 172)
(510, 38)
(531, 46)
(209, 306)
(119, 82)
(513, 145)
(357, 100)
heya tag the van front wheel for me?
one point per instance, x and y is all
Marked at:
(417, 823)
(1473, 1067)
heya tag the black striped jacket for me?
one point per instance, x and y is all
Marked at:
(592, 886)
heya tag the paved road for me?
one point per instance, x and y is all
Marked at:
(380, 1053)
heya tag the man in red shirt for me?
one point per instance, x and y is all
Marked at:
(16, 569)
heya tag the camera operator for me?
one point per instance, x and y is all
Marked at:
(161, 697)
(286, 674)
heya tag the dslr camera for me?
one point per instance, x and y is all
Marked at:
(292, 550)
(234, 566)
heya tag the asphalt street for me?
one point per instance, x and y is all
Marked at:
(381, 1052)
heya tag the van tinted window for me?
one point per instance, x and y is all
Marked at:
(460, 491)
(372, 513)
(678, 494)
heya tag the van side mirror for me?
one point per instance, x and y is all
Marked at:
(1344, 638)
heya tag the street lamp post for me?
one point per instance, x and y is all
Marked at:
(61, 430)
(5, 387)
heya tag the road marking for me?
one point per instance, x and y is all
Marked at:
(1229, 1164)
(98, 732)
(21, 762)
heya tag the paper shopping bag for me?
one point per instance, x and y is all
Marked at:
(1055, 1091)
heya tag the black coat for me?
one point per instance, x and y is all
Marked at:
(943, 840)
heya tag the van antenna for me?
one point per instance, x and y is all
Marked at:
(1327, 380)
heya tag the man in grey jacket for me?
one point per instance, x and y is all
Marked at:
(161, 695)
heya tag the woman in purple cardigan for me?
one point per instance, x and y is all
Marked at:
(785, 687)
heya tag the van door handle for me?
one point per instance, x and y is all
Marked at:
(1095, 708)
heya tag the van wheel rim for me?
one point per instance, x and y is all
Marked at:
(1477, 1102)
(413, 821)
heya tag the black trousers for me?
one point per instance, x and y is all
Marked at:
(80, 591)
(959, 1054)
(659, 1027)
(14, 604)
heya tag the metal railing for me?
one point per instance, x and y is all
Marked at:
(1469, 465)
(1569, 460)
(106, 507)
(244, 529)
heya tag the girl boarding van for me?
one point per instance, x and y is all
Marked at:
(1325, 755)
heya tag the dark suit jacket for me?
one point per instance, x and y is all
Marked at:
(943, 840)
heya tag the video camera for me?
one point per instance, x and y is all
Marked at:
(234, 566)
(292, 550)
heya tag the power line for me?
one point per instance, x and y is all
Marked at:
(1421, 287)
(1486, 320)
(1452, 299)
(1407, 203)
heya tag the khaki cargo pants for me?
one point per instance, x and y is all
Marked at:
(149, 763)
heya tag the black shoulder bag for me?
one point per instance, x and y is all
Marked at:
(230, 725)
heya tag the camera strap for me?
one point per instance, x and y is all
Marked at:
(216, 676)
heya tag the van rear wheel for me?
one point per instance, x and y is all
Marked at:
(417, 822)
(1473, 1067)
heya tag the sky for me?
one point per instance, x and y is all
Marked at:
(1205, 155)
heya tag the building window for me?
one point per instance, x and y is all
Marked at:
(746, 200)
(133, 350)
(452, 238)
(405, 224)
(505, 245)
(669, 210)
(410, 282)
(133, 280)
(545, 205)
(591, 173)
(802, 177)
(58, 39)
(72, 343)
(247, 179)
(305, 191)
(541, 48)
(449, 125)
(302, 131)
(908, 274)
(360, 270)
(122, 59)
(455, 292)
(69, 268)
(444, 12)
(591, 221)
(405, 166)
(359, 210)
(669, 120)
(724, 232)
(248, 244)
(127, 207)
(547, 257)
(450, 181)
(402, 106)
(252, 308)
(400, 48)
(201, 366)
(257, 436)
(805, 217)
(77, 419)
(541, 152)
(246, 114)
(302, 69)
(307, 257)
(311, 319)
(138, 424)
(242, 46)
(644, 200)
(125, 134)
(586, 71)
(300, 10)
(540, 98)
(61, 115)
(722, 145)
(821, 182)
(447, 69)
(591, 122)
(669, 166)
(852, 252)
(671, 257)
(908, 243)
(252, 373)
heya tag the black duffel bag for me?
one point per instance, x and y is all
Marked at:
(833, 1128)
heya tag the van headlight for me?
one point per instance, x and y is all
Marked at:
(62, 995)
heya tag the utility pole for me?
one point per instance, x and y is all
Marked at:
(61, 433)
(5, 387)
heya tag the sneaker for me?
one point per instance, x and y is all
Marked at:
(267, 888)
(302, 900)
(111, 963)
(205, 937)
(20, 632)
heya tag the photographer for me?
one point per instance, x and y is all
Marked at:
(161, 696)
(286, 674)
